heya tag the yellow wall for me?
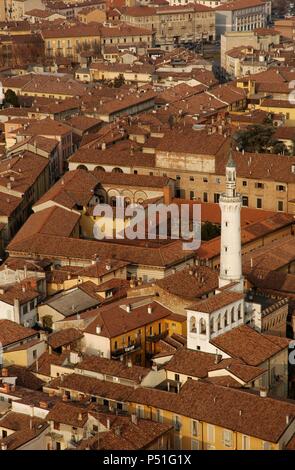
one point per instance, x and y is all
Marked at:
(208, 436)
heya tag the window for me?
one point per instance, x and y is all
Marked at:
(192, 195)
(35, 354)
(281, 206)
(194, 444)
(177, 177)
(227, 438)
(218, 323)
(159, 416)
(225, 322)
(176, 423)
(259, 203)
(191, 178)
(245, 201)
(25, 309)
(218, 180)
(95, 428)
(216, 198)
(239, 312)
(202, 326)
(119, 406)
(177, 443)
(4, 434)
(245, 183)
(32, 305)
(259, 185)
(140, 411)
(205, 197)
(245, 442)
(210, 433)
(58, 446)
(176, 377)
(266, 446)
(232, 314)
(281, 188)
(193, 328)
(205, 180)
(194, 426)
(211, 325)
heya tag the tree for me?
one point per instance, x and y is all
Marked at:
(256, 138)
(280, 148)
(47, 322)
(11, 98)
(119, 81)
(209, 231)
(280, 7)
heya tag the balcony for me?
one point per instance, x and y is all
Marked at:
(156, 337)
(132, 347)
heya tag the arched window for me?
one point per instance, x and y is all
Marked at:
(202, 327)
(218, 323)
(232, 314)
(239, 312)
(211, 326)
(127, 201)
(225, 319)
(99, 168)
(117, 170)
(193, 328)
(113, 201)
(82, 167)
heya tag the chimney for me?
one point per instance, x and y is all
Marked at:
(167, 194)
(134, 419)
(263, 392)
(118, 431)
(98, 330)
(150, 309)
(16, 311)
(129, 363)
(43, 405)
(217, 358)
(128, 308)
(108, 424)
(287, 420)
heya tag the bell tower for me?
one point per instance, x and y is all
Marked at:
(230, 203)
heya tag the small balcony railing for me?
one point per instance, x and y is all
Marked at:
(130, 348)
(156, 337)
